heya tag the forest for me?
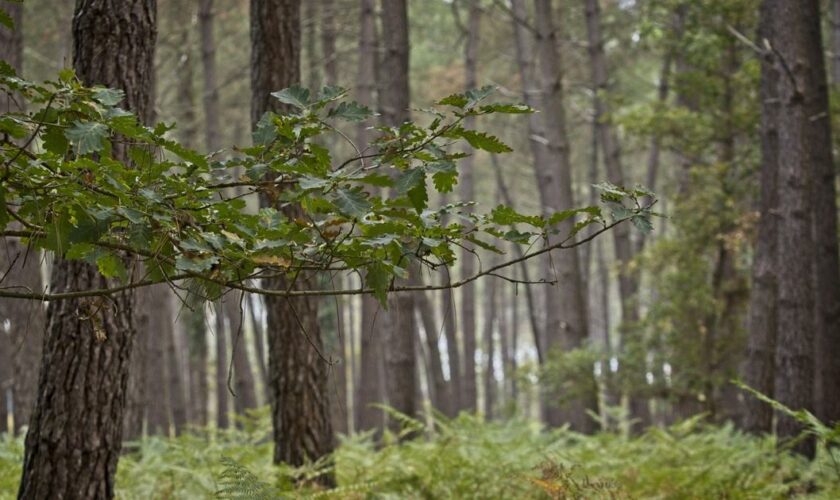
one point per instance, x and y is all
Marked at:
(430, 249)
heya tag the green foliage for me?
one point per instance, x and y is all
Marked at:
(469, 458)
(98, 186)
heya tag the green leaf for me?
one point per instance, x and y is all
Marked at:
(379, 279)
(475, 95)
(418, 196)
(350, 111)
(379, 180)
(55, 141)
(487, 142)
(108, 97)
(642, 223)
(296, 96)
(351, 202)
(409, 180)
(506, 216)
(111, 266)
(456, 100)
(506, 108)
(6, 20)
(87, 137)
(265, 132)
(195, 264)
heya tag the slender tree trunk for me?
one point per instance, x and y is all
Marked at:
(437, 383)
(566, 322)
(195, 329)
(491, 315)
(835, 42)
(400, 357)
(210, 94)
(246, 395)
(154, 325)
(182, 11)
(328, 35)
(310, 44)
(297, 374)
(826, 266)
(259, 336)
(468, 398)
(803, 131)
(628, 280)
(370, 385)
(222, 359)
(80, 461)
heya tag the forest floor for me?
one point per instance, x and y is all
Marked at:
(467, 458)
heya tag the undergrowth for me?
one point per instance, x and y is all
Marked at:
(469, 458)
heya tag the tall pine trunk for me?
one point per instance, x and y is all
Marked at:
(566, 327)
(114, 46)
(297, 374)
(793, 32)
(370, 388)
(468, 398)
(400, 353)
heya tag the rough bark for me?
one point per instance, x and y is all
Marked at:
(73, 445)
(794, 35)
(297, 373)
(566, 327)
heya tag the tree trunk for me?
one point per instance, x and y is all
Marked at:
(794, 35)
(328, 35)
(222, 407)
(297, 374)
(490, 317)
(259, 336)
(194, 325)
(566, 322)
(246, 395)
(154, 326)
(437, 383)
(210, 94)
(175, 382)
(628, 280)
(400, 356)
(113, 46)
(371, 389)
(827, 263)
(370, 385)
(468, 398)
(835, 42)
